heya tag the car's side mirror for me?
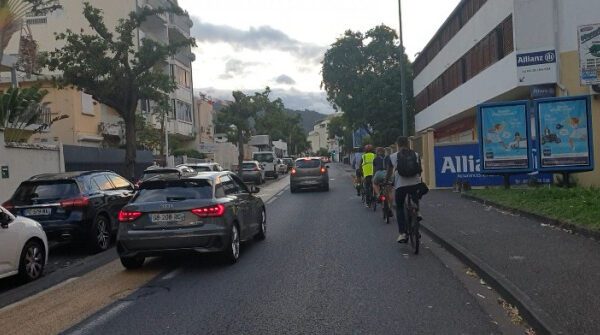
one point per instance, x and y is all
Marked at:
(254, 189)
(5, 220)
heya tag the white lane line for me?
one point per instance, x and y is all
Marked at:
(171, 274)
(271, 200)
(89, 327)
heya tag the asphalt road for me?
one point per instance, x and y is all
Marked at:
(328, 266)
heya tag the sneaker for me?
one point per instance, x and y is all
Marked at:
(390, 213)
(402, 238)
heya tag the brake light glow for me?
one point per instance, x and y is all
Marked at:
(8, 205)
(210, 211)
(75, 202)
(126, 216)
(382, 198)
(323, 170)
(293, 171)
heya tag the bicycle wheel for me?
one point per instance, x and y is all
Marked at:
(386, 212)
(414, 235)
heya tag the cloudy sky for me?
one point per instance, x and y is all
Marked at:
(250, 44)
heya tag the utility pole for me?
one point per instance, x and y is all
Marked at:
(402, 74)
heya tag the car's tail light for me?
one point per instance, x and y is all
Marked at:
(323, 170)
(293, 171)
(127, 216)
(8, 205)
(210, 211)
(75, 202)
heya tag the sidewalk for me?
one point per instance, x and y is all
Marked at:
(554, 270)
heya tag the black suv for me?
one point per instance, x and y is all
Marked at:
(77, 206)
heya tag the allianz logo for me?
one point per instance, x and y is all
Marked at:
(461, 164)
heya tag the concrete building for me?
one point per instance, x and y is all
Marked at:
(91, 123)
(480, 55)
(205, 115)
(318, 137)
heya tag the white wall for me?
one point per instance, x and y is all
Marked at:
(487, 18)
(574, 13)
(226, 154)
(26, 161)
(492, 82)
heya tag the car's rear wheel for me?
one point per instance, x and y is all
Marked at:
(293, 189)
(232, 252)
(32, 261)
(132, 263)
(100, 234)
(262, 230)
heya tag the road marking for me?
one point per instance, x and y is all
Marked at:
(35, 296)
(89, 327)
(271, 200)
(171, 274)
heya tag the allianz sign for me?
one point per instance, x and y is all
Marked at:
(536, 58)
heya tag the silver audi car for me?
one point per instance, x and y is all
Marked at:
(210, 212)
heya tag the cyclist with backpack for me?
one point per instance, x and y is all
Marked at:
(366, 163)
(405, 167)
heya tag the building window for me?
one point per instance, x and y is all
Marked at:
(87, 104)
(183, 111)
(181, 76)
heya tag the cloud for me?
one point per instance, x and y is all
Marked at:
(292, 98)
(236, 68)
(256, 38)
(285, 80)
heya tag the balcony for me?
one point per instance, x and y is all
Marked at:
(154, 4)
(185, 57)
(111, 129)
(181, 129)
(179, 27)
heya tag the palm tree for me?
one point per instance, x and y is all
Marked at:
(12, 13)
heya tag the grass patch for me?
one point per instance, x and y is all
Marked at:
(578, 206)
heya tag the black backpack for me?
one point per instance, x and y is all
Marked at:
(408, 163)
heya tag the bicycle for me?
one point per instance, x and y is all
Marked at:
(368, 196)
(384, 200)
(413, 221)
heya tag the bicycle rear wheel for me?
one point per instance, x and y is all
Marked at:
(414, 236)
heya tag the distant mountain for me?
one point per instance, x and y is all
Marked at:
(309, 118)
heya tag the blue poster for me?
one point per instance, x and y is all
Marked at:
(462, 162)
(564, 126)
(504, 137)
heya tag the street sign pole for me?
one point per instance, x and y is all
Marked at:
(402, 75)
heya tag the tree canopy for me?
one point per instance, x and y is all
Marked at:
(361, 75)
(109, 65)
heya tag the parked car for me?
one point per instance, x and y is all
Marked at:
(23, 247)
(289, 162)
(309, 172)
(253, 172)
(268, 161)
(154, 171)
(211, 212)
(203, 167)
(281, 166)
(74, 206)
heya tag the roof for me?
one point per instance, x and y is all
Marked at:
(64, 175)
(197, 164)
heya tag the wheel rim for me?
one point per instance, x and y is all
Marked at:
(103, 236)
(235, 243)
(34, 259)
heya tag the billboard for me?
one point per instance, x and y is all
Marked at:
(504, 137)
(463, 162)
(589, 54)
(536, 67)
(565, 134)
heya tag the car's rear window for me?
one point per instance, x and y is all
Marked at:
(174, 190)
(248, 166)
(46, 191)
(264, 157)
(151, 174)
(308, 163)
(201, 168)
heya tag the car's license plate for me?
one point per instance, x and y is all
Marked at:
(167, 217)
(37, 212)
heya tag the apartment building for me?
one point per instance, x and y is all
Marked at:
(205, 114)
(500, 50)
(91, 123)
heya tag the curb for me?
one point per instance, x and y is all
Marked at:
(46, 282)
(554, 222)
(535, 316)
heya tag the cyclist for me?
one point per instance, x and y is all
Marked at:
(366, 163)
(355, 162)
(405, 166)
(380, 171)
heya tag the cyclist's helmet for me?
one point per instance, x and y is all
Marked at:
(368, 148)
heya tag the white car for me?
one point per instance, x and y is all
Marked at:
(281, 167)
(203, 167)
(268, 161)
(23, 247)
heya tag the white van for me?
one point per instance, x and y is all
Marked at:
(268, 161)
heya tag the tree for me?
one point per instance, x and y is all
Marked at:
(13, 12)
(110, 67)
(361, 75)
(22, 107)
(323, 152)
(238, 116)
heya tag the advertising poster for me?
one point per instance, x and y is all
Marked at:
(462, 162)
(504, 137)
(565, 141)
(589, 54)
